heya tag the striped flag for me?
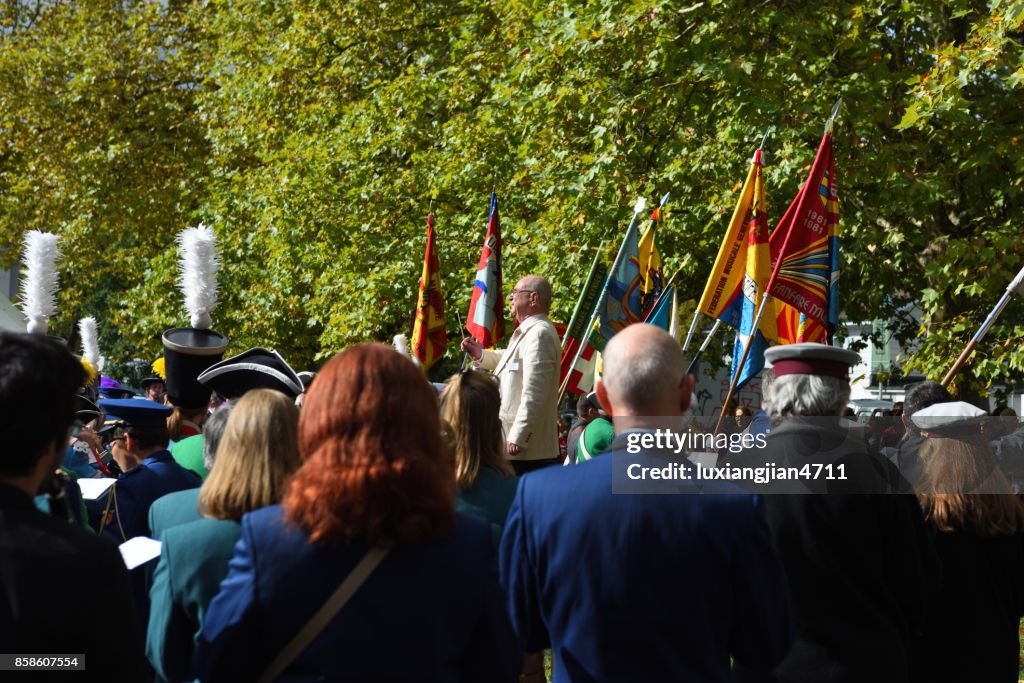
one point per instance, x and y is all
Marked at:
(725, 283)
(755, 276)
(429, 333)
(486, 319)
(624, 287)
(756, 263)
(805, 244)
(795, 327)
(581, 375)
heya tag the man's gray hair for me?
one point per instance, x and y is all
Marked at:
(637, 377)
(213, 429)
(805, 395)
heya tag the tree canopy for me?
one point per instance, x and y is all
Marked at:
(314, 136)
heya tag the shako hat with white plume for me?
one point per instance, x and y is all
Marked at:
(188, 351)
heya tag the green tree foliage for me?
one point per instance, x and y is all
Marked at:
(315, 135)
(100, 144)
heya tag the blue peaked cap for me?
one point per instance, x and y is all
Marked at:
(136, 412)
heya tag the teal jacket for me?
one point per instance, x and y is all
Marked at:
(489, 499)
(180, 507)
(193, 561)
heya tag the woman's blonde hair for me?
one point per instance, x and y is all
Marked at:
(257, 453)
(470, 404)
(962, 488)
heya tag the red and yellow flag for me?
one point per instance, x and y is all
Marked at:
(725, 283)
(805, 245)
(650, 265)
(429, 335)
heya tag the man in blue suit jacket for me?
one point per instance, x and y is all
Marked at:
(156, 475)
(634, 586)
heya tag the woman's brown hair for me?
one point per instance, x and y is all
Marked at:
(256, 454)
(962, 488)
(470, 404)
(176, 420)
(373, 464)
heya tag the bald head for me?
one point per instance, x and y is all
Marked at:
(644, 373)
(542, 287)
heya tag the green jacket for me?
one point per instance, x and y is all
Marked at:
(193, 561)
(189, 454)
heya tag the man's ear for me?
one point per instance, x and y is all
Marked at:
(685, 391)
(602, 397)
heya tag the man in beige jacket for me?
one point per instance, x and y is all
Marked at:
(527, 373)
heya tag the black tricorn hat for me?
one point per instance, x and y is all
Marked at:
(306, 377)
(256, 368)
(86, 410)
(189, 351)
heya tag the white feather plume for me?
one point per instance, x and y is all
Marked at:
(91, 343)
(39, 282)
(401, 343)
(198, 264)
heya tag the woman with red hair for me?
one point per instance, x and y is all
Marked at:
(364, 571)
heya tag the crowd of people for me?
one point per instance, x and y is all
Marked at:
(382, 531)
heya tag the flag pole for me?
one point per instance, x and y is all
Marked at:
(440, 284)
(743, 358)
(833, 115)
(638, 208)
(671, 281)
(673, 325)
(583, 293)
(703, 347)
(1011, 289)
(465, 356)
(693, 327)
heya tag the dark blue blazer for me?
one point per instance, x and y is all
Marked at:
(429, 612)
(136, 490)
(641, 587)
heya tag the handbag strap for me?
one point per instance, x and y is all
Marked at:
(326, 613)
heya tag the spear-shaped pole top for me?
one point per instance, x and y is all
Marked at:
(832, 116)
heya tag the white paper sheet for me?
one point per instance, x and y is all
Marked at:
(139, 550)
(93, 489)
